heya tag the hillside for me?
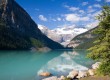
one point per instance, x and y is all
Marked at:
(19, 31)
(84, 40)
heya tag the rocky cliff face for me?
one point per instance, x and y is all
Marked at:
(20, 25)
(50, 34)
(83, 41)
(62, 35)
(14, 16)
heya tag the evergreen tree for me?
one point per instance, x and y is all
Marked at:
(101, 50)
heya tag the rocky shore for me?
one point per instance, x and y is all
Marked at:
(74, 74)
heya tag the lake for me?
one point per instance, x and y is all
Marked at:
(26, 65)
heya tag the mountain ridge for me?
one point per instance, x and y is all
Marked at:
(17, 20)
(84, 40)
(62, 34)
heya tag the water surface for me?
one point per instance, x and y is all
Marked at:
(26, 65)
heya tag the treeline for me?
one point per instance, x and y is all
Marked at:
(101, 50)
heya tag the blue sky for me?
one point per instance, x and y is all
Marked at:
(61, 13)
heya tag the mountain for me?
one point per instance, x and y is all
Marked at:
(19, 31)
(62, 35)
(84, 40)
(50, 34)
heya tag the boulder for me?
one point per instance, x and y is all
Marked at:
(73, 74)
(96, 65)
(51, 78)
(45, 74)
(62, 78)
(91, 72)
(69, 76)
(82, 74)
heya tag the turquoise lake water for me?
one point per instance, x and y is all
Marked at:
(26, 65)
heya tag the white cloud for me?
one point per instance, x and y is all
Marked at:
(67, 25)
(92, 25)
(71, 8)
(59, 19)
(107, 0)
(97, 5)
(66, 6)
(75, 18)
(53, 19)
(80, 30)
(72, 17)
(91, 9)
(96, 13)
(41, 17)
(81, 11)
(70, 29)
(84, 18)
(84, 3)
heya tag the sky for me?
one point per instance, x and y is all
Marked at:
(63, 13)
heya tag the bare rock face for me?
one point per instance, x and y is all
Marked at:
(57, 34)
(20, 25)
(62, 35)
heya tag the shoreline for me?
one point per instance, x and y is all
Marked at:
(76, 74)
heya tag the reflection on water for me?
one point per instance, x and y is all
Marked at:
(26, 65)
(67, 61)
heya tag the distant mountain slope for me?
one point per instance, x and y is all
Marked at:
(62, 34)
(19, 31)
(84, 40)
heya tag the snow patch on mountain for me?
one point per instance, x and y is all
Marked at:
(62, 34)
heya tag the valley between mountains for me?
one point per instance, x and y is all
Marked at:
(17, 25)
(54, 40)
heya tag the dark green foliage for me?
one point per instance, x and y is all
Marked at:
(85, 40)
(68, 79)
(17, 29)
(87, 44)
(104, 69)
(101, 50)
(9, 39)
(36, 43)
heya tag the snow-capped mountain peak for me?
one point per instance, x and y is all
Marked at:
(62, 34)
